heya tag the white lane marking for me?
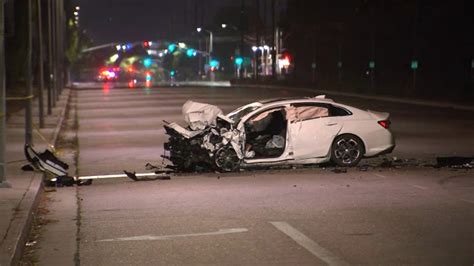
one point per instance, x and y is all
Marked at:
(470, 201)
(304, 241)
(419, 187)
(379, 175)
(167, 237)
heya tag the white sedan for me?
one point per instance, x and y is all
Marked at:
(278, 131)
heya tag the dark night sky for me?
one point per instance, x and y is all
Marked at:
(133, 20)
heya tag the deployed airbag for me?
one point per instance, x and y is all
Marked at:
(199, 115)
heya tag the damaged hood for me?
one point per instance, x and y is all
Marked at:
(200, 115)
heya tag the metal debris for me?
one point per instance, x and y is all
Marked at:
(455, 162)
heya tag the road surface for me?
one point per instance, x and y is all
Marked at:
(411, 214)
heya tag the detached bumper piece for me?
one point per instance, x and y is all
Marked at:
(51, 165)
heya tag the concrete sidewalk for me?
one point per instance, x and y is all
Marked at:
(18, 203)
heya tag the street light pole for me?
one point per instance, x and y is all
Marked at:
(50, 60)
(41, 73)
(29, 81)
(273, 53)
(199, 29)
(242, 10)
(257, 31)
(3, 165)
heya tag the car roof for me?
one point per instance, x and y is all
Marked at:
(319, 98)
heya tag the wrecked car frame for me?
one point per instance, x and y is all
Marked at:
(276, 132)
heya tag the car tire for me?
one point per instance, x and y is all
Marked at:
(226, 159)
(347, 150)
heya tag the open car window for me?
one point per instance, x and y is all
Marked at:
(260, 121)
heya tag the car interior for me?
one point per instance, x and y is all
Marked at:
(266, 134)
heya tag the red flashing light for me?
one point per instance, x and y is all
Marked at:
(286, 56)
(384, 123)
(148, 83)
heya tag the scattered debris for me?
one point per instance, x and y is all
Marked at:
(339, 170)
(146, 177)
(363, 168)
(27, 167)
(56, 169)
(30, 244)
(455, 162)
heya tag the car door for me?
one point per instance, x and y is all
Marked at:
(311, 130)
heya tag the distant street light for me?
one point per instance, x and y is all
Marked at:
(199, 29)
(241, 48)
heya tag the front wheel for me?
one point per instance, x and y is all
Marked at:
(347, 150)
(226, 159)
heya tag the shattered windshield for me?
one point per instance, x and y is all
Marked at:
(240, 112)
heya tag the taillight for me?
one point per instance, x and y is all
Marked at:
(384, 123)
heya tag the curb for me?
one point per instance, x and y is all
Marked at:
(61, 119)
(24, 225)
(370, 97)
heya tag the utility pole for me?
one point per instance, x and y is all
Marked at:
(257, 31)
(414, 64)
(60, 48)
(54, 61)
(29, 81)
(372, 63)
(41, 72)
(57, 34)
(50, 60)
(242, 10)
(3, 127)
(273, 53)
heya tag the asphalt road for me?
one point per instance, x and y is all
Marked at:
(411, 214)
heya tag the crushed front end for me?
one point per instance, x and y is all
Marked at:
(210, 142)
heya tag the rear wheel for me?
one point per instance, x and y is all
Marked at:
(347, 150)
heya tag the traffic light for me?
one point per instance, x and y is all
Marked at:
(191, 52)
(171, 47)
(172, 73)
(214, 63)
(147, 62)
(148, 76)
(239, 60)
